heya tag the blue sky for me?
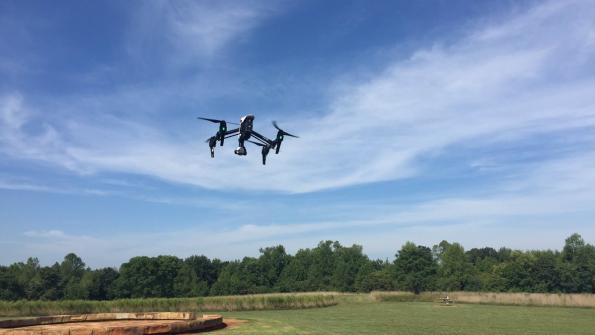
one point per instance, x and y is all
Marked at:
(471, 121)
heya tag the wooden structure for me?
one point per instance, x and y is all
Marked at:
(112, 324)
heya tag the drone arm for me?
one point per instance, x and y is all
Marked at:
(232, 132)
(228, 133)
(262, 138)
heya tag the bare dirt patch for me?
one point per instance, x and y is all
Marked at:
(233, 323)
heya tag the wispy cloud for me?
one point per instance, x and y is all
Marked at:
(20, 184)
(193, 31)
(41, 142)
(45, 233)
(206, 27)
(23, 186)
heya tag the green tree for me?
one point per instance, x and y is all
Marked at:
(294, 277)
(578, 265)
(72, 270)
(187, 283)
(143, 277)
(72, 267)
(455, 272)
(375, 276)
(321, 267)
(484, 262)
(98, 283)
(205, 269)
(232, 280)
(349, 261)
(483, 259)
(28, 278)
(50, 280)
(272, 261)
(545, 271)
(415, 268)
(167, 270)
(10, 289)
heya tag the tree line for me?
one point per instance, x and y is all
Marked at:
(329, 266)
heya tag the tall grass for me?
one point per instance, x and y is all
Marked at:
(520, 299)
(527, 299)
(282, 301)
(206, 304)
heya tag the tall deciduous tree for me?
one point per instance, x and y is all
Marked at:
(455, 271)
(415, 268)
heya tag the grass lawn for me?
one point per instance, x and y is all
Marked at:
(416, 318)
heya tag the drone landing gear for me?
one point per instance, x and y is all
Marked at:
(265, 152)
(212, 143)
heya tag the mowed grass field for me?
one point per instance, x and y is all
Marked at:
(416, 318)
(376, 313)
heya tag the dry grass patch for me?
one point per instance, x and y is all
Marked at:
(527, 299)
(200, 304)
(520, 299)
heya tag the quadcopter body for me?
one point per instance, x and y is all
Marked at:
(245, 132)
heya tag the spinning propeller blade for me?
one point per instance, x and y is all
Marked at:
(220, 136)
(280, 134)
(206, 119)
(282, 131)
(215, 121)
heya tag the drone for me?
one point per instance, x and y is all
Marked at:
(245, 132)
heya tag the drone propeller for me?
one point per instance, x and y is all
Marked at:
(265, 151)
(222, 128)
(216, 121)
(280, 134)
(282, 131)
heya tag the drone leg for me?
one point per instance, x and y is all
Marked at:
(265, 152)
(212, 145)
